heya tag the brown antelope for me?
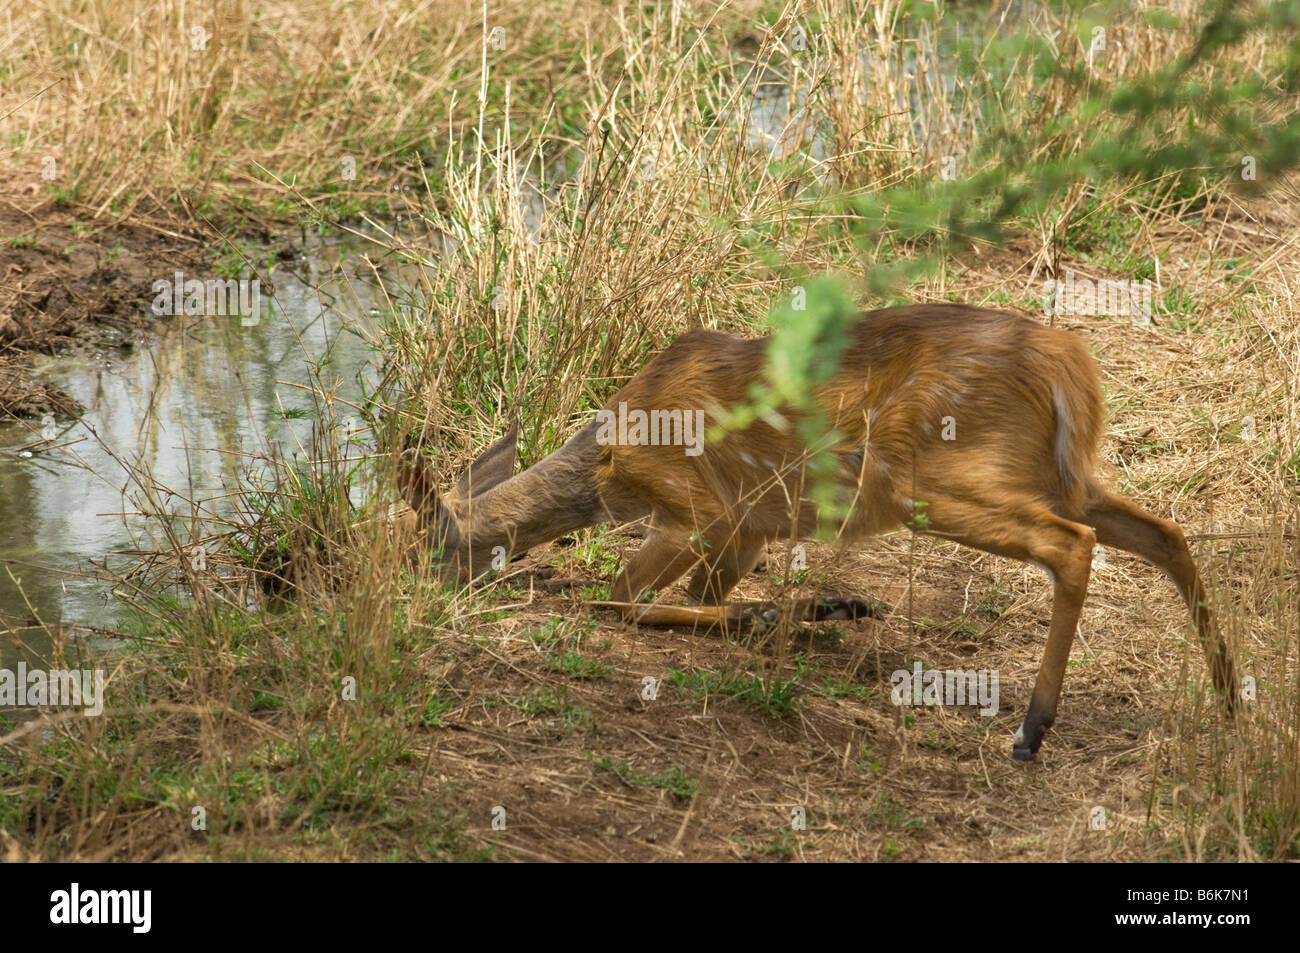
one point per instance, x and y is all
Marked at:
(988, 420)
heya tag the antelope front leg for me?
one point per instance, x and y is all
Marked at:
(716, 577)
(659, 562)
(663, 558)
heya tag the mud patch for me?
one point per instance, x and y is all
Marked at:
(24, 397)
(70, 279)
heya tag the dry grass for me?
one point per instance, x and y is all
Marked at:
(616, 196)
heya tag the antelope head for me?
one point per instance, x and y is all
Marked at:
(451, 524)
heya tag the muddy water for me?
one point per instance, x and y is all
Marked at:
(188, 403)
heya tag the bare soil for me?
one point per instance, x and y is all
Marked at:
(875, 781)
(71, 278)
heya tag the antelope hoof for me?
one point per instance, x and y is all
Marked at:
(836, 610)
(1027, 743)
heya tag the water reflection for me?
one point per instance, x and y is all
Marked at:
(191, 405)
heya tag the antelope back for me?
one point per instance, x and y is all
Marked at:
(941, 399)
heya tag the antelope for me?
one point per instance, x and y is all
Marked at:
(987, 422)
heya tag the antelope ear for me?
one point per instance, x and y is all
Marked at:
(494, 467)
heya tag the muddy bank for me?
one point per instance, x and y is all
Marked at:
(69, 281)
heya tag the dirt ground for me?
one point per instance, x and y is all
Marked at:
(68, 279)
(875, 781)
